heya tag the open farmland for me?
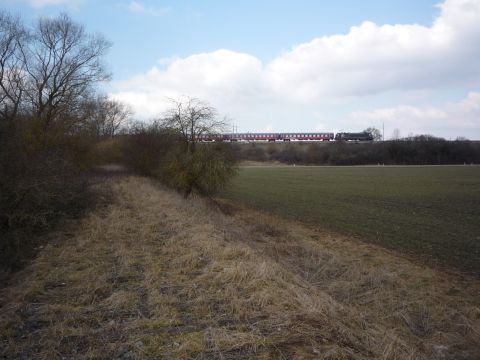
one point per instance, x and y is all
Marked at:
(432, 213)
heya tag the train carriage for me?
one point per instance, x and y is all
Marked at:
(297, 136)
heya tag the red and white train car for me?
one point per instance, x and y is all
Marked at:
(248, 137)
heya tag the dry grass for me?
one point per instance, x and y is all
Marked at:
(155, 276)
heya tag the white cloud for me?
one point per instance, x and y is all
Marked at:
(216, 76)
(370, 60)
(139, 7)
(450, 119)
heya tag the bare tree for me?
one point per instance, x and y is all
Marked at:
(192, 167)
(46, 74)
(63, 62)
(106, 116)
(116, 116)
(191, 118)
(12, 37)
(376, 134)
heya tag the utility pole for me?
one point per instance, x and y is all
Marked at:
(383, 131)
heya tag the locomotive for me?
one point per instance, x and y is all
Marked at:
(297, 136)
(363, 136)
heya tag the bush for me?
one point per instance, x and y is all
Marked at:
(203, 172)
(40, 183)
(110, 150)
(145, 148)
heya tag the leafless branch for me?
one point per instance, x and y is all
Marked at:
(192, 117)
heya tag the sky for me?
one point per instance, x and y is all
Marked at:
(342, 65)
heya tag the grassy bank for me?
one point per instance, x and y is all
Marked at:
(430, 212)
(153, 276)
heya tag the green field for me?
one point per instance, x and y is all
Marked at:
(430, 212)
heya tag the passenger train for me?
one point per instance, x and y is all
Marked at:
(297, 136)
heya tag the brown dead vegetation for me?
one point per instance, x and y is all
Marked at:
(156, 276)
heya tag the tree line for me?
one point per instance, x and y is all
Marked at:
(51, 115)
(413, 150)
(56, 127)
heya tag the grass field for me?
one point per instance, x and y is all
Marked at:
(429, 212)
